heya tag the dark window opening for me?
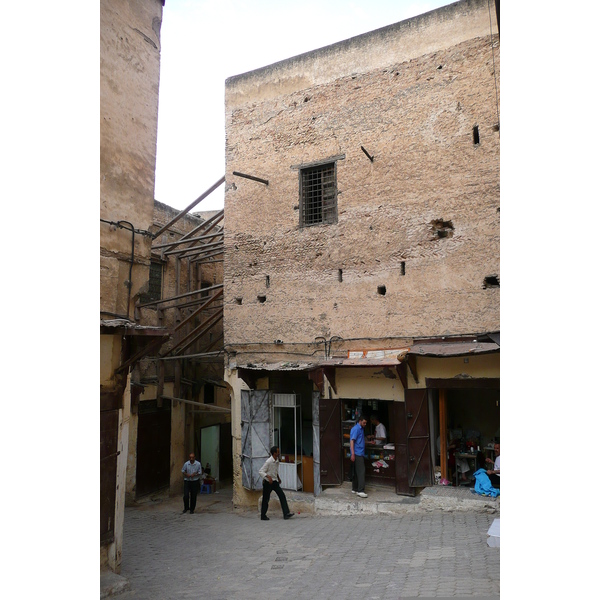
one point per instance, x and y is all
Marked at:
(154, 283)
(381, 290)
(203, 286)
(209, 393)
(476, 135)
(267, 281)
(340, 275)
(262, 299)
(402, 268)
(491, 281)
(318, 195)
(238, 300)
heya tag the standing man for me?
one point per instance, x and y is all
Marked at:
(494, 474)
(357, 456)
(192, 474)
(380, 436)
(270, 474)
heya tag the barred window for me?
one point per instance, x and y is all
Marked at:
(318, 195)
(155, 283)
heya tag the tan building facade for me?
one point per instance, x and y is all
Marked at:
(129, 76)
(362, 246)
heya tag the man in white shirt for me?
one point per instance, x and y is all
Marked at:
(192, 475)
(380, 436)
(494, 474)
(271, 480)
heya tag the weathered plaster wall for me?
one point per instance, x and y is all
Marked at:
(129, 77)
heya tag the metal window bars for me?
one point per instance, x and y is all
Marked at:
(318, 195)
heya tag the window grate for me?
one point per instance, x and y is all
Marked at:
(154, 283)
(318, 195)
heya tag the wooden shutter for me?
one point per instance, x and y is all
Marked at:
(417, 438)
(330, 433)
(316, 397)
(398, 434)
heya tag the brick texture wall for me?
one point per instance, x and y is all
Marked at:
(416, 118)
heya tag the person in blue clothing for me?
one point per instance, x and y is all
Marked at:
(357, 456)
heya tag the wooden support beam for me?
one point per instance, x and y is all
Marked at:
(154, 344)
(412, 365)
(330, 374)
(402, 374)
(318, 378)
(185, 211)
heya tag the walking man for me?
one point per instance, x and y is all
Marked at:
(192, 475)
(357, 456)
(271, 480)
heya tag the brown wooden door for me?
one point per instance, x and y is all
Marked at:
(330, 434)
(417, 438)
(398, 434)
(109, 433)
(153, 461)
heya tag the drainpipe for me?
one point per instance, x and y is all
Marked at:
(129, 282)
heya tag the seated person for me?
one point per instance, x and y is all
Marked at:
(494, 473)
(380, 436)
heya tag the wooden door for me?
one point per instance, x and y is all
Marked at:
(109, 434)
(330, 434)
(153, 460)
(417, 438)
(398, 434)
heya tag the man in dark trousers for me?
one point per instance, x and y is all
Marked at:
(192, 475)
(271, 480)
(357, 456)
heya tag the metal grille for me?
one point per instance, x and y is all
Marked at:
(318, 195)
(155, 284)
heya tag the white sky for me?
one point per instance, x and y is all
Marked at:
(205, 41)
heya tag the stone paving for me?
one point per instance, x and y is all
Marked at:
(219, 554)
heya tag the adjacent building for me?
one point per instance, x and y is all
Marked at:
(362, 237)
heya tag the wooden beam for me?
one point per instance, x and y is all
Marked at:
(185, 211)
(412, 365)
(402, 374)
(330, 374)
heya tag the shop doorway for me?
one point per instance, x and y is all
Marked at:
(470, 418)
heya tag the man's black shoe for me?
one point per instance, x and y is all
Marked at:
(288, 516)
(265, 519)
(191, 512)
(185, 510)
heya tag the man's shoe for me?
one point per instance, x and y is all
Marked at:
(191, 512)
(354, 491)
(265, 519)
(185, 510)
(288, 516)
(361, 494)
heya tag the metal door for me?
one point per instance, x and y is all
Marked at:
(255, 436)
(153, 460)
(417, 438)
(330, 433)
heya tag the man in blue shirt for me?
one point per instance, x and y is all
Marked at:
(357, 456)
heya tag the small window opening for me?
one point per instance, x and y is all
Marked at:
(154, 283)
(238, 300)
(476, 135)
(209, 393)
(403, 268)
(203, 286)
(491, 281)
(381, 290)
(318, 195)
(261, 298)
(340, 275)
(267, 281)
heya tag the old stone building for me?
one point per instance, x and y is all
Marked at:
(362, 251)
(129, 75)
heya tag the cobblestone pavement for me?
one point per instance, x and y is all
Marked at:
(218, 554)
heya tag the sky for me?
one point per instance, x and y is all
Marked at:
(203, 42)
